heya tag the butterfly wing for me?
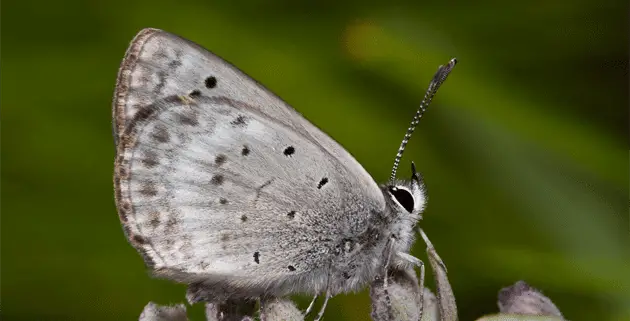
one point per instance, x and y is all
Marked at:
(221, 181)
(159, 64)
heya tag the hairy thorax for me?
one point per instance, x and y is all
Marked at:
(359, 259)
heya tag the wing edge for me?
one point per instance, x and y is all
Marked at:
(123, 79)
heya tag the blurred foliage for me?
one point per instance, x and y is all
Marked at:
(524, 150)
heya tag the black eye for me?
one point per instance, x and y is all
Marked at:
(403, 197)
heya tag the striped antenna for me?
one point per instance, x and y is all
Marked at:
(436, 82)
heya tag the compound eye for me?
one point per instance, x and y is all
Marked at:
(403, 197)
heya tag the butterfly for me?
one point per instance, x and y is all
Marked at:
(221, 185)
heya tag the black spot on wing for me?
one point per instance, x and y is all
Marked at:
(245, 151)
(322, 182)
(217, 179)
(289, 151)
(257, 257)
(220, 159)
(211, 82)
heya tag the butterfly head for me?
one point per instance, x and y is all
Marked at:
(405, 201)
(408, 198)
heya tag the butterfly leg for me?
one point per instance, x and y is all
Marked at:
(446, 298)
(389, 258)
(417, 262)
(310, 306)
(395, 292)
(390, 247)
(320, 315)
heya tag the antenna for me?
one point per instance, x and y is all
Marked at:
(436, 82)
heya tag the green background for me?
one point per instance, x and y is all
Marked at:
(524, 150)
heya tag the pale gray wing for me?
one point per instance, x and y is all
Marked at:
(209, 187)
(226, 181)
(159, 64)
